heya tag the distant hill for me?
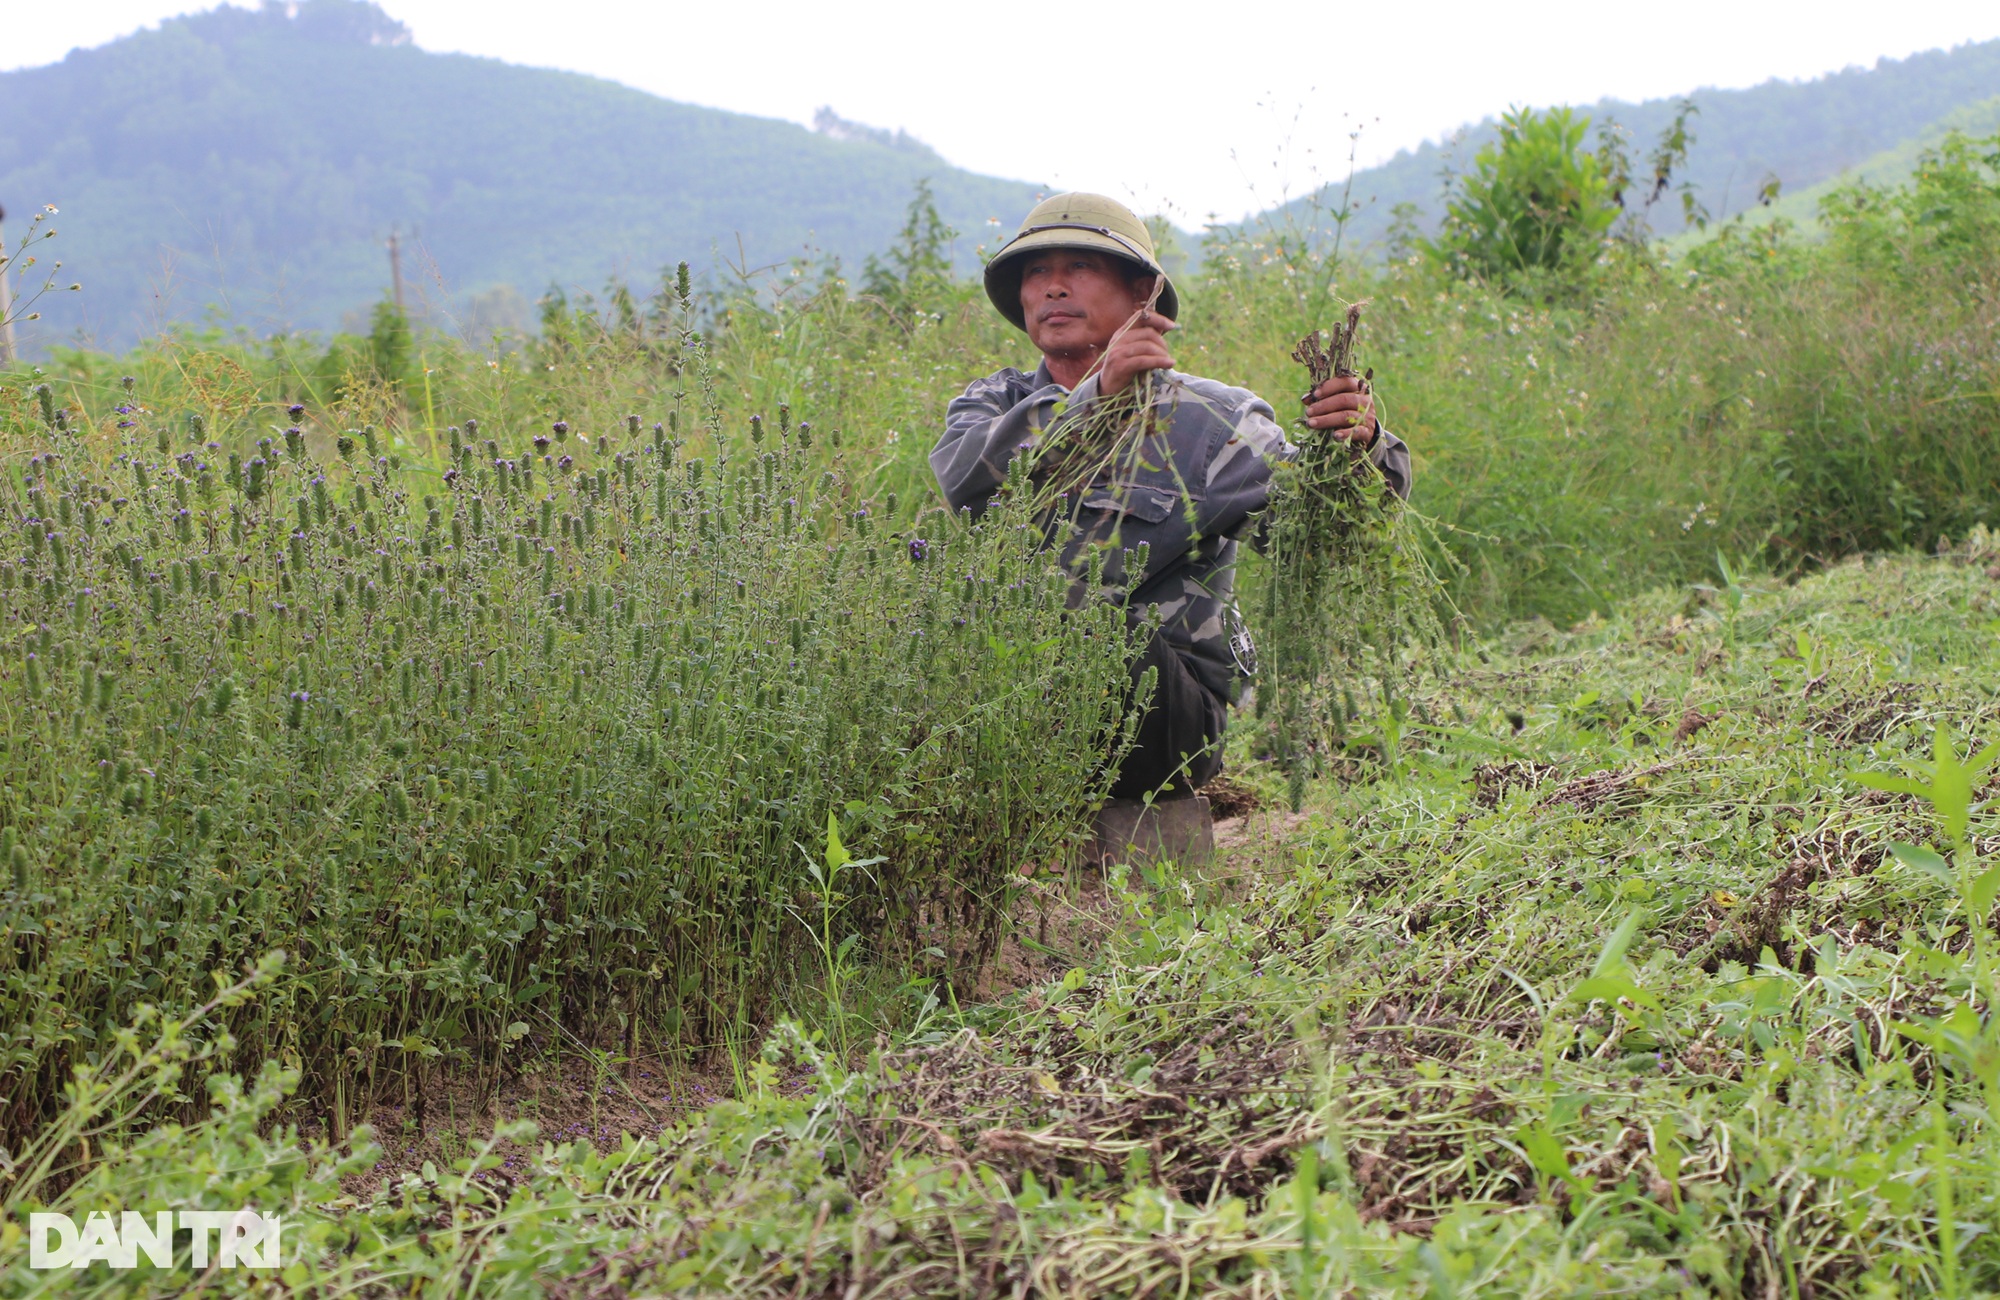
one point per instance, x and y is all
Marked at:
(1891, 167)
(1802, 132)
(258, 160)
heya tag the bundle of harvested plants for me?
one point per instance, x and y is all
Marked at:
(1347, 589)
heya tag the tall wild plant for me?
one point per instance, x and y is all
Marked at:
(550, 738)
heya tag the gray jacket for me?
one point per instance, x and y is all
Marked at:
(1187, 489)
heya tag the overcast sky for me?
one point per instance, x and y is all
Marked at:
(1188, 108)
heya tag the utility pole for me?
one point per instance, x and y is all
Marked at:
(396, 271)
(6, 300)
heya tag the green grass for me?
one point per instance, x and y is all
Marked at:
(1603, 1002)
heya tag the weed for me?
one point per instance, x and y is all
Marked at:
(538, 734)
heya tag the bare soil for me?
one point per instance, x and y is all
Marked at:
(568, 1098)
(1064, 918)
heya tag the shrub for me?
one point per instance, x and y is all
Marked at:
(1947, 217)
(1534, 202)
(550, 738)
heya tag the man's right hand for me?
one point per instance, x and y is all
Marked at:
(1344, 407)
(1142, 347)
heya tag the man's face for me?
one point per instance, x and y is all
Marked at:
(1075, 299)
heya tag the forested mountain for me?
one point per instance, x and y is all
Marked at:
(1800, 132)
(259, 159)
(256, 161)
(1891, 167)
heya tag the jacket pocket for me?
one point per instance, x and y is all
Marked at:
(1153, 505)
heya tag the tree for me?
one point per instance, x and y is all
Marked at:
(917, 268)
(1535, 200)
(390, 348)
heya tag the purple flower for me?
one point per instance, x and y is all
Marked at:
(127, 424)
(296, 410)
(564, 464)
(919, 548)
(541, 442)
(451, 476)
(125, 408)
(561, 427)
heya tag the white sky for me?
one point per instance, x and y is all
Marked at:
(1191, 107)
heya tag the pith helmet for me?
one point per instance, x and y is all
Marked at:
(1075, 221)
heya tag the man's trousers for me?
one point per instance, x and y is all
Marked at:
(1179, 746)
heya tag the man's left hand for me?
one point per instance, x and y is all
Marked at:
(1344, 406)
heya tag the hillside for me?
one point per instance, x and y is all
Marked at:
(258, 160)
(1803, 133)
(1889, 168)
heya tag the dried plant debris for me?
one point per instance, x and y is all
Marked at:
(1693, 722)
(1601, 789)
(1492, 781)
(1865, 717)
(1218, 1112)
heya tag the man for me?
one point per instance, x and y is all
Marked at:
(1133, 451)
